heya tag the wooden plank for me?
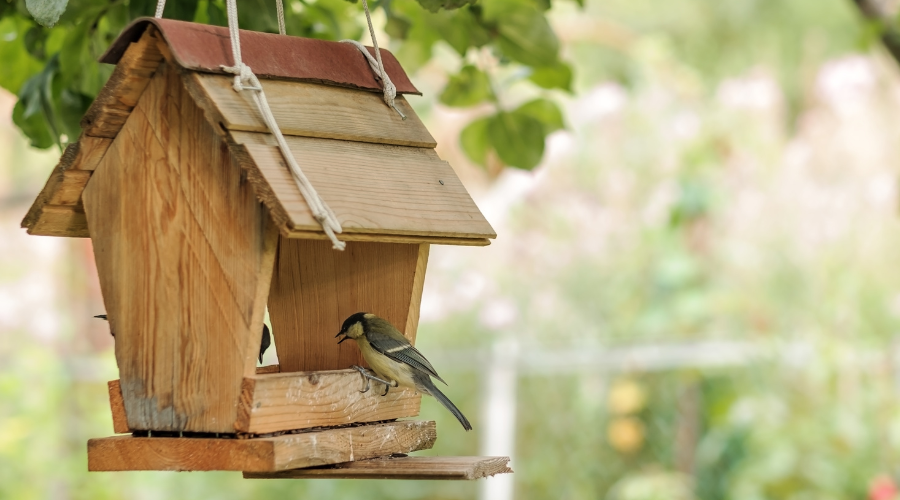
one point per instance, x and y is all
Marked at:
(117, 408)
(314, 289)
(372, 188)
(269, 454)
(184, 253)
(415, 298)
(56, 220)
(63, 189)
(393, 238)
(458, 468)
(310, 110)
(117, 402)
(89, 153)
(287, 401)
(112, 107)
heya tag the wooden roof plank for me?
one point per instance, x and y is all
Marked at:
(372, 188)
(311, 110)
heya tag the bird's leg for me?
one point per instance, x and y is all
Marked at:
(365, 376)
(365, 373)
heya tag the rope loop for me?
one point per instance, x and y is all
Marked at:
(390, 90)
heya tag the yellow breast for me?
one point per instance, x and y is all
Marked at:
(384, 366)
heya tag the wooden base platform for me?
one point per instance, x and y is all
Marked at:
(459, 468)
(266, 454)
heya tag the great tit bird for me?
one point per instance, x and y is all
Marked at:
(394, 360)
(264, 344)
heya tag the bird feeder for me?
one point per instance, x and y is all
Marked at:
(197, 226)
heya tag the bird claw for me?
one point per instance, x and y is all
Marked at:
(367, 376)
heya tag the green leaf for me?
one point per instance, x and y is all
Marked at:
(558, 76)
(546, 112)
(474, 140)
(46, 12)
(182, 10)
(467, 88)
(18, 65)
(461, 29)
(524, 35)
(518, 139)
(34, 127)
(35, 42)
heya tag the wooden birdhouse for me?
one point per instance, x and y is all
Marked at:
(197, 226)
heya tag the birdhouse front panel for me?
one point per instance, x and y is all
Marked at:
(180, 241)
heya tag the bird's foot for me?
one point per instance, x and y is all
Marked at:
(387, 387)
(368, 376)
(365, 376)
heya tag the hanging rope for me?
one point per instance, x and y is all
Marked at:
(243, 76)
(160, 6)
(280, 7)
(390, 91)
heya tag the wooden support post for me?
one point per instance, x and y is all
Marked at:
(269, 454)
(459, 468)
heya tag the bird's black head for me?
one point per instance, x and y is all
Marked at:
(353, 327)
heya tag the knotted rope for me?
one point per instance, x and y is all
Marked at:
(243, 76)
(390, 91)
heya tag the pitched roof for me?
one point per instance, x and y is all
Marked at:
(380, 174)
(204, 48)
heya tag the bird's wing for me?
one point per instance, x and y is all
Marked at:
(385, 339)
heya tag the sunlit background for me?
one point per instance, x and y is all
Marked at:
(696, 295)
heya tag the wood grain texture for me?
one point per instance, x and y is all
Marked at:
(117, 408)
(57, 220)
(372, 188)
(120, 95)
(454, 468)
(287, 401)
(310, 110)
(57, 210)
(314, 289)
(393, 238)
(117, 402)
(289, 451)
(90, 150)
(184, 253)
(415, 297)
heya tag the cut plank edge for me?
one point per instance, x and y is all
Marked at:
(426, 468)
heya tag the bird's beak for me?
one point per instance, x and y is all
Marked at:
(339, 334)
(343, 339)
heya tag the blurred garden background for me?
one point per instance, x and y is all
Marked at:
(694, 295)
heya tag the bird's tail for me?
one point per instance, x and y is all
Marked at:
(424, 384)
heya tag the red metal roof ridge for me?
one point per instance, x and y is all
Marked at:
(204, 48)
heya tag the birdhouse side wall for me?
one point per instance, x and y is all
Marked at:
(185, 254)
